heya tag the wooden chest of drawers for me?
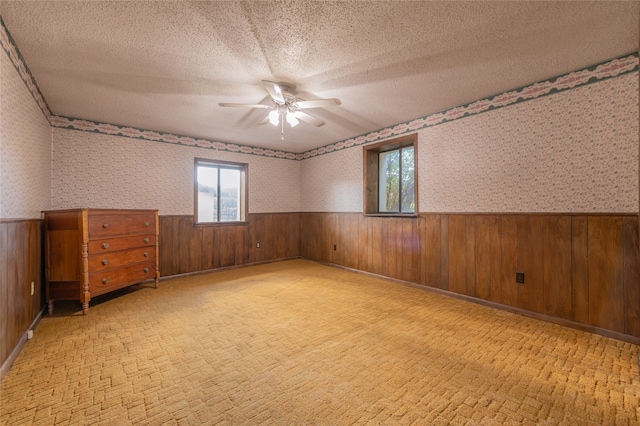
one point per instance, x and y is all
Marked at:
(89, 252)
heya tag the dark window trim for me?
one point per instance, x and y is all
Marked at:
(244, 200)
(371, 172)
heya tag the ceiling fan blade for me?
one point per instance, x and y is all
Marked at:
(318, 103)
(275, 91)
(226, 104)
(308, 118)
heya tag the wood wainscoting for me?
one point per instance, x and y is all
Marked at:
(21, 263)
(579, 269)
(185, 248)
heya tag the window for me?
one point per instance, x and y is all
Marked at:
(220, 191)
(390, 177)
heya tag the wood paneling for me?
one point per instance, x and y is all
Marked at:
(579, 268)
(431, 250)
(4, 292)
(529, 259)
(509, 265)
(606, 265)
(631, 276)
(186, 248)
(21, 263)
(556, 236)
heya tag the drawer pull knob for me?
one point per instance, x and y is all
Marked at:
(105, 280)
(145, 254)
(105, 245)
(105, 262)
(105, 225)
(146, 270)
(146, 240)
(146, 224)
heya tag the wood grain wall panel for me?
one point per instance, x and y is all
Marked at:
(606, 265)
(487, 257)
(530, 261)
(17, 308)
(185, 226)
(444, 252)
(580, 268)
(411, 251)
(209, 242)
(165, 239)
(457, 254)
(228, 245)
(376, 245)
(482, 257)
(631, 277)
(36, 268)
(362, 244)
(186, 248)
(355, 256)
(195, 249)
(5, 348)
(21, 263)
(557, 292)
(509, 245)
(431, 250)
(470, 255)
(388, 248)
(293, 234)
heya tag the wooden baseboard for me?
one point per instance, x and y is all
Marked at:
(4, 370)
(523, 312)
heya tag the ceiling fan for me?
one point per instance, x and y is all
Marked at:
(287, 107)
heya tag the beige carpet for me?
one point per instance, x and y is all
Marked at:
(300, 343)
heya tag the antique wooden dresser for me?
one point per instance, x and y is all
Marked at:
(89, 252)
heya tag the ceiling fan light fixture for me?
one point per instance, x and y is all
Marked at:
(274, 117)
(291, 119)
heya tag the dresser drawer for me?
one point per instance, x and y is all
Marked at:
(111, 279)
(114, 259)
(105, 245)
(110, 225)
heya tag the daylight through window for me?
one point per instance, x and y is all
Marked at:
(390, 177)
(220, 191)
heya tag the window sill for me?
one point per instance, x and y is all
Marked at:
(215, 224)
(401, 215)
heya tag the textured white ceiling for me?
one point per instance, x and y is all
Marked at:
(165, 66)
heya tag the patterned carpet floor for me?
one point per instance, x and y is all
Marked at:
(296, 342)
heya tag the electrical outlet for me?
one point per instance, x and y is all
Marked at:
(335, 247)
(258, 245)
(33, 288)
(520, 277)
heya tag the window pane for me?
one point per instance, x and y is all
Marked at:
(229, 195)
(389, 185)
(408, 195)
(207, 194)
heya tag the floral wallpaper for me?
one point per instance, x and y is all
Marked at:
(25, 149)
(103, 171)
(574, 151)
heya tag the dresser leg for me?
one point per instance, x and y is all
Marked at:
(50, 306)
(85, 308)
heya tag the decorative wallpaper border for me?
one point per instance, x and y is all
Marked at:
(598, 72)
(619, 66)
